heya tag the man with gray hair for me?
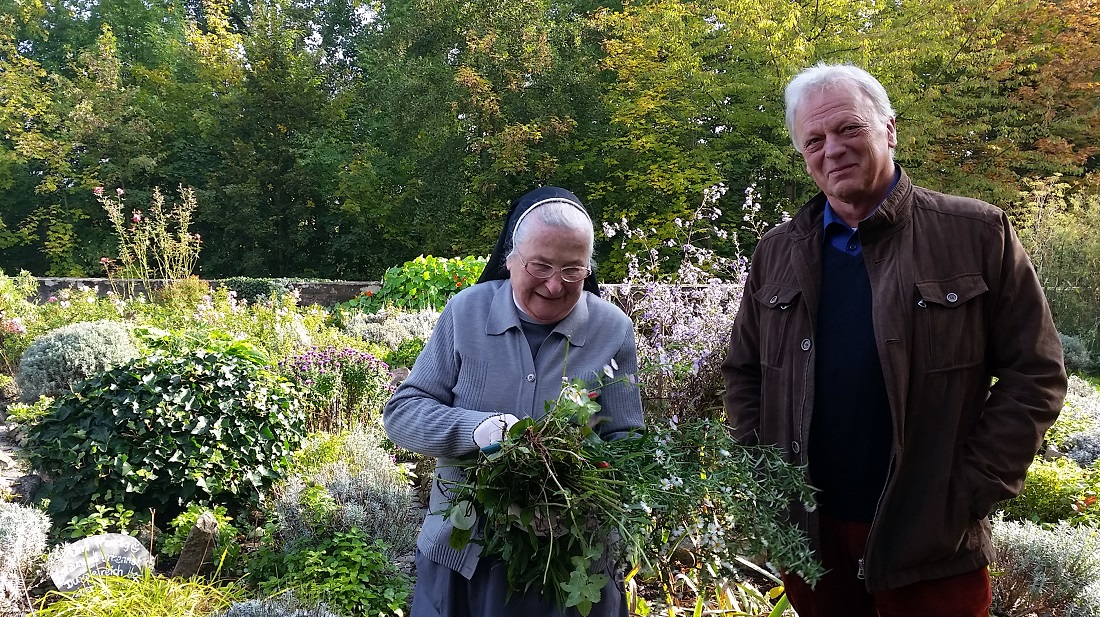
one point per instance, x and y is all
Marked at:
(896, 341)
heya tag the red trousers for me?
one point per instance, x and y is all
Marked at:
(840, 593)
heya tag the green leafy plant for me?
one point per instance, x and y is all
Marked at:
(59, 359)
(211, 425)
(253, 289)
(226, 550)
(1054, 491)
(29, 413)
(147, 595)
(103, 519)
(424, 282)
(347, 571)
(406, 353)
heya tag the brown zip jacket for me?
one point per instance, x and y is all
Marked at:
(956, 303)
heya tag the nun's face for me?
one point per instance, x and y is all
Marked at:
(551, 299)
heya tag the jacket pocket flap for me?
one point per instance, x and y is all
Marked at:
(776, 296)
(952, 292)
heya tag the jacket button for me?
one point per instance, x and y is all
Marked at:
(805, 344)
(921, 303)
(531, 378)
(952, 297)
(796, 447)
(773, 300)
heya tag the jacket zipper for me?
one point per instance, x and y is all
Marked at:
(861, 574)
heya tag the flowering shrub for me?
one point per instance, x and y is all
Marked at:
(57, 360)
(155, 244)
(343, 388)
(681, 320)
(1056, 491)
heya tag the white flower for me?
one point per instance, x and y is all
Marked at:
(607, 370)
(614, 365)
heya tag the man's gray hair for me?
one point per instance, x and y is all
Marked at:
(557, 214)
(824, 76)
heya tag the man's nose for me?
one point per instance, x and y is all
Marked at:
(834, 146)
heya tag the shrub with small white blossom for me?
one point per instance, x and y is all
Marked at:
(22, 544)
(59, 359)
(392, 327)
(1053, 572)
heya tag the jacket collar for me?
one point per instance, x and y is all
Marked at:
(503, 315)
(894, 212)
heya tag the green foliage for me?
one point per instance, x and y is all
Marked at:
(406, 353)
(1060, 229)
(103, 519)
(148, 595)
(182, 294)
(58, 360)
(423, 283)
(212, 426)
(226, 551)
(1055, 491)
(1077, 356)
(347, 571)
(342, 388)
(1044, 571)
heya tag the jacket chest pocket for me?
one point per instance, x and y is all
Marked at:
(950, 321)
(777, 307)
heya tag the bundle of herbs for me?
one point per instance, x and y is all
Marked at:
(562, 508)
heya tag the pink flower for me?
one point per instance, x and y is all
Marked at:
(98, 191)
(119, 191)
(103, 260)
(137, 215)
(198, 237)
(52, 299)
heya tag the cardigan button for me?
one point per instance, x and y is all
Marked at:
(531, 378)
(805, 344)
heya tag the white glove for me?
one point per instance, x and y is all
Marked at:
(492, 429)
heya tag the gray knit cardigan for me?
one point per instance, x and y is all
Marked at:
(478, 364)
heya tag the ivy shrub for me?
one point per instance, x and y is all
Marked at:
(210, 426)
(348, 572)
(59, 359)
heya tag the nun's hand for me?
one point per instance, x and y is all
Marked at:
(492, 430)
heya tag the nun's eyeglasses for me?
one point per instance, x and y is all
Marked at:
(541, 270)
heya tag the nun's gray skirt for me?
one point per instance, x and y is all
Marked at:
(442, 592)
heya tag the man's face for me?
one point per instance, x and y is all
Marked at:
(847, 147)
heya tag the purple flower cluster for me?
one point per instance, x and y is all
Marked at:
(342, 387)
(330, 360)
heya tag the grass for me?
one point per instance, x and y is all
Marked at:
(148, 596)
